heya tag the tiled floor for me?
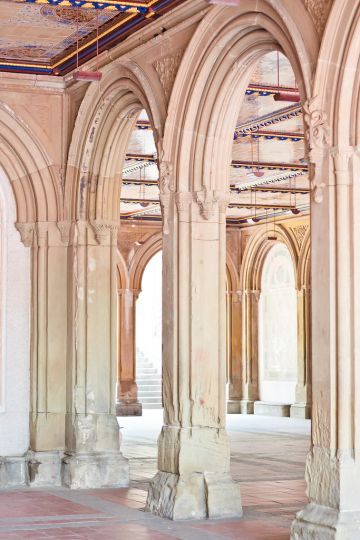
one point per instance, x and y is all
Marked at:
(267, 461)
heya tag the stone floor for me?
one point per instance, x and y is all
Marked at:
(268, 457)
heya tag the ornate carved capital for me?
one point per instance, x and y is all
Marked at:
(105, 231)
(318, 136)
(341, 157)
(210, 201)
(183, 201)
(166, 182)
(26, 231)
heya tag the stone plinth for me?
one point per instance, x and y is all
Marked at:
(268, 408)
(94, 470)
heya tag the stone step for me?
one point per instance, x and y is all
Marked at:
(152, 406)
(150, 388)
(143, 371)
(146, 394)
(151, 400)
(144, 380)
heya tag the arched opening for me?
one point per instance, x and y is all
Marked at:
(14, 342)
(149, 335)
(278, 329)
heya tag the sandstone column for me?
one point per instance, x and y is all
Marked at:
(250, 350)
(333, 464)
(93, 457)
(194, 454)
(235, 367)
(48, 243)
(127, 403)
(302, 406)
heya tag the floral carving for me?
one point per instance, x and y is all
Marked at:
(318, 136)
(210, 201)
(300, 233)
(166, 69)
(319, 11)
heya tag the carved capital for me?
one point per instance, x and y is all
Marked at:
(166, 182)
(341, 158)
(210, 201)
(105, 231)
(64, 228)
(26, 231)
(318, 136)
(183, 201)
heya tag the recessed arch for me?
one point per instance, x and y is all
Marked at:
(100, 139)
(31, 172)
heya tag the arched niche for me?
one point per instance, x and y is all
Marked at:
(278, 327)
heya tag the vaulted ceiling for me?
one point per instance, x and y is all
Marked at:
(52, 36)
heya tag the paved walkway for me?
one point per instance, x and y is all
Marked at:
(268, 457)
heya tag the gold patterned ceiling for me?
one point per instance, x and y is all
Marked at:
(49, 36)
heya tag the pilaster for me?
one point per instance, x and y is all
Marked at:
(127, 403)
(302, 406)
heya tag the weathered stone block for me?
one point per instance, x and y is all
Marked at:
(94, 470)
(45, 468)
(266, 408)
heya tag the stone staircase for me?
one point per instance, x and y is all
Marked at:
(149, 383)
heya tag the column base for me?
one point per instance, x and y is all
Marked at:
(193, 496)
(13, 471)
(247, 406)
(233, 406)
(94, 470)
(317, 522)
(268, 408)
(128, 409)
(300, 410)
(44, 468)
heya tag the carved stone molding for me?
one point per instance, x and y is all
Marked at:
(166, 69)
(300, 232)
(318, 136)
(319, 11)
(166, 182)
(26, 231)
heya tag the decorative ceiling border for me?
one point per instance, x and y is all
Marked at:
(140, 13)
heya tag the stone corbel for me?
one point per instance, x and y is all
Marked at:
(26, 231)
(105, 231)
(318, 137)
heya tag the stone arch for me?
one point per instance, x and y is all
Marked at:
(143, 255)
(303, 269)
(213, 75)
(32, 174)
(100, 138)
(123, 274)
(255, 254)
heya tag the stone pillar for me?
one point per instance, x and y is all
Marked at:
(193, 480)
(333, 464)
(235, 367)
(93, 457)
(250, 350)
(127, 403)
(302, 406)
(48, 352)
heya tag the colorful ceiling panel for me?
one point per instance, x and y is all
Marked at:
(54, 36)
